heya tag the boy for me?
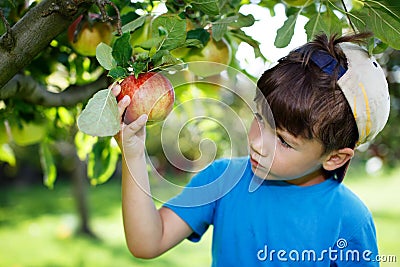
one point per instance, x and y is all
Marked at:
(326, 98)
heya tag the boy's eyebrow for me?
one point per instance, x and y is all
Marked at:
(269, 118)
(288, 137)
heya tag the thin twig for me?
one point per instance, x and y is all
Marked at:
(119, 26)
(345, 12)
(101, 4)
(8, 40)
(5, 21)
(348, 17)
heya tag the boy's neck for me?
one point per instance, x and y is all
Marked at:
(313, 178)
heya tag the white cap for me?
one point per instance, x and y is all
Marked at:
(366, 89)
(364, 85)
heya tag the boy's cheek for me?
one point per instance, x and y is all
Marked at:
(254, 129)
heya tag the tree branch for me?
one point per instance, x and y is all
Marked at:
(26, 88)
(34, 31)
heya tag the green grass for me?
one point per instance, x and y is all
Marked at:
(381, 194)
(37, 226)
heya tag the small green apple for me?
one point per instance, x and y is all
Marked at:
(214, 51)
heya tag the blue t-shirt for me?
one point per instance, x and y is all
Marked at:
(278, 224)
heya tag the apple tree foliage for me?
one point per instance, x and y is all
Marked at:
(45, 84)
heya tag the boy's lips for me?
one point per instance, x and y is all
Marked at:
(253, 161)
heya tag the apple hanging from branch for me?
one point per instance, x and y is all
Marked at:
(213, 52)
(151, 93)
(86, 32)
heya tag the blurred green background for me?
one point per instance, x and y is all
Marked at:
(78, 224)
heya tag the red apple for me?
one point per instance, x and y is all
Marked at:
(85, 39)
(151, 93)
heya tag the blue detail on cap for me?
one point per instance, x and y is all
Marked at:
(326, 62)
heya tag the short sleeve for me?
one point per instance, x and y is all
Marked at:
(197, 202)
(361, 247)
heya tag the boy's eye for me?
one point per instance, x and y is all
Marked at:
(283, 142)
(259, 117)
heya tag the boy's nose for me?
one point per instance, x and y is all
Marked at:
(257, 144)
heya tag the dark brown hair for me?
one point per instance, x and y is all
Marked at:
(306, 101)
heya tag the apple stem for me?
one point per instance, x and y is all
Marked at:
(79, 27)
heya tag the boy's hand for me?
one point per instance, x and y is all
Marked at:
(131, 138)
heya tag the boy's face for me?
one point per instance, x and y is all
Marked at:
(277, 155)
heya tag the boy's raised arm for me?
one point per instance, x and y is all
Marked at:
(149, 232)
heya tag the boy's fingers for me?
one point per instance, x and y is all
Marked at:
(123, 104)
(134, 128)
(138, 124)
(116, 89)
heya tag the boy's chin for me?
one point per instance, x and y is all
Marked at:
(262, 174)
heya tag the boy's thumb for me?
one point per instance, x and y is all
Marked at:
(139, 123)
(142, 119)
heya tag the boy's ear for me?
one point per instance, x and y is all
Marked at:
(337, 158)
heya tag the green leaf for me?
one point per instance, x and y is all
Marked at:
(193, 43)
(122, 50)
(139, 67)
(242, 36)
(163, 57)
(118, 73)
(243, 21)
(200, 34)
(174, 29)
(326, 22)
(380, 22)
(48, 166)
(220, 27)
(270, 6)
(133, 25)
(370, 45)
(152, 51)
(102, 161)
(100, 116)
(285, 33)
(152, 42)
(7, 154)
(380, 48)
(209, 7)
(104, 56)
